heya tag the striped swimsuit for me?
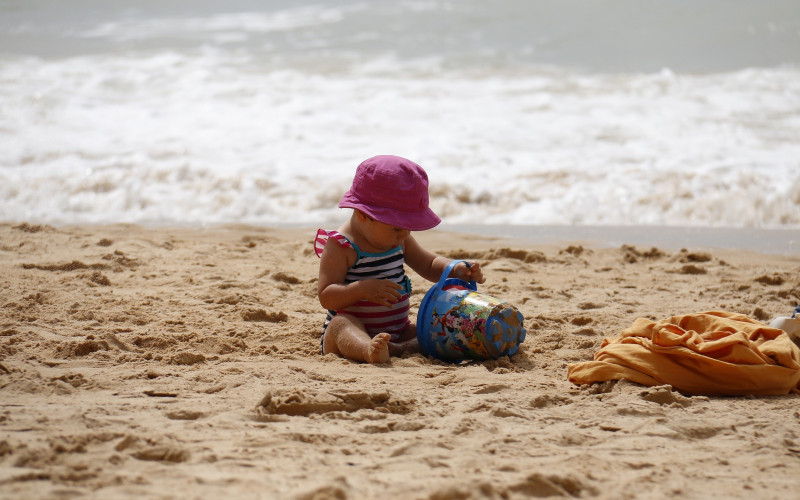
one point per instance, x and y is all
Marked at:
(386, 265)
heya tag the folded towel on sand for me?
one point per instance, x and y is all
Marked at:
(710, 353)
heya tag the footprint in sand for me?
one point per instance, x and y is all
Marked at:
(523, 255)
(491, 388)
(774, 280)
(33, 228)
(98, 278)
(75, 265)
(686, 256)
(631, 255)
(162, 454)
(581, 321)
(761, 315)
(572, 250)
(121, 261)
(665, 396)
(692, 269)
(84, 348)
(74, 379)
(184, 414)
(527, 256)
(301, 402)
(331, 491)
(187, 358)
(285, 278)
(548, 400)
(540, 485)
(262, 315)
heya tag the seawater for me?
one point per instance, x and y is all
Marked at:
(604, 112)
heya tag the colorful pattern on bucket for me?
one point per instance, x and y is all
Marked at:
(457, 323)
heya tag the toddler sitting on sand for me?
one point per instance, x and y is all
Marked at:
(362, 280)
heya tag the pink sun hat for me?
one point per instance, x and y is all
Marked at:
(392, 190)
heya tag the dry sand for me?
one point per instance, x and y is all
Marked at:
(184, 363)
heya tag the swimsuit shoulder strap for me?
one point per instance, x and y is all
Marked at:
(322, 239)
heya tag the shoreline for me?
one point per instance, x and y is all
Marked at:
(772, 241)
(760, 240)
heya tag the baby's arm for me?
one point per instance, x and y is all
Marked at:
(334, 294)
(431, 266)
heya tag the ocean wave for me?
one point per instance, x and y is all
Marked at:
(261, 116)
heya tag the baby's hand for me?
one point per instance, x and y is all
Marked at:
(384, 292)
(471, 273)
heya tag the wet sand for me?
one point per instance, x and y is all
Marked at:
(140, 362)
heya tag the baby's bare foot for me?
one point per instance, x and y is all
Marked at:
(378, 351)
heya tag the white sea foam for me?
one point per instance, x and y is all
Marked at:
(266, 130)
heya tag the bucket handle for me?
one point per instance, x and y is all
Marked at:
(447, 271)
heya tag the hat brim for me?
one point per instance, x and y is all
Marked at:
(413, 220)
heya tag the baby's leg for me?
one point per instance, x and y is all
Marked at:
(407, 343)
(347, 337)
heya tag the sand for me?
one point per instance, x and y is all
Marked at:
(141, 362)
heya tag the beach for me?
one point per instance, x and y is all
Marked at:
(564, 113)
(164, 168)
(184, 362)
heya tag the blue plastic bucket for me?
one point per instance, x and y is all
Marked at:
(455, 322)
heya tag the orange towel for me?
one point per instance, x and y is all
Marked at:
(711, 353)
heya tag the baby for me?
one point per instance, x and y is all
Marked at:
(362, 280)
